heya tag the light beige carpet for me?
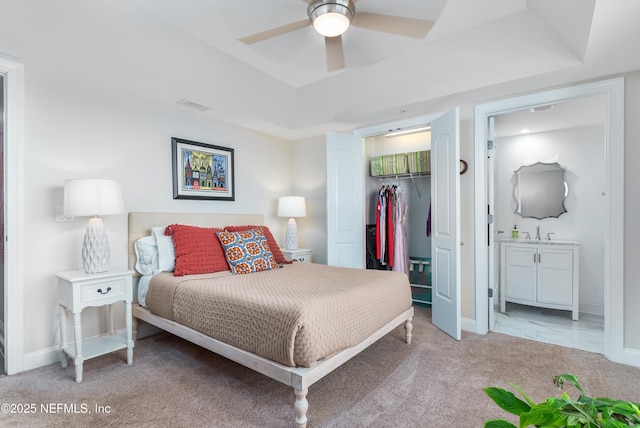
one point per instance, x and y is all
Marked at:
(435, 382)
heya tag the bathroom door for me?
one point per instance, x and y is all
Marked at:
(493, 235)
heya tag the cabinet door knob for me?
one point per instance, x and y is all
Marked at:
(104, 292)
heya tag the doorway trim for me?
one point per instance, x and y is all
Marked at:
(613, 89)
(14, 273)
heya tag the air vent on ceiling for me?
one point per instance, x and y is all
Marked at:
(194, 106)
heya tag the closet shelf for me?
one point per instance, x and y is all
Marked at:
(404, 175)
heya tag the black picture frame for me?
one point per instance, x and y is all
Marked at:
(202, 171)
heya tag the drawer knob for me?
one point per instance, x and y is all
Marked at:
(104, 292)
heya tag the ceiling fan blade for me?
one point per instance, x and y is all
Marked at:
(335, 53)
(278, 31)
(409, 27)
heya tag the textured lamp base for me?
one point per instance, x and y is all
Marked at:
(291, 237)
(95, 248)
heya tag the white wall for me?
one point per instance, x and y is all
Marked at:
(309, 175)
(75, 129)
(581, 152)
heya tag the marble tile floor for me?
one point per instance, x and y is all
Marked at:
(551, 326)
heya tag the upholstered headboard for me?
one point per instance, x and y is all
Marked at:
(140, 224)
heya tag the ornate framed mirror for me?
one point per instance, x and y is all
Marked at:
(540, 190)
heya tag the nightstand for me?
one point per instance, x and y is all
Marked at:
(299, 254)
(79, 290)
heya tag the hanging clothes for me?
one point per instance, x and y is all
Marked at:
(391, 192)
(401, 244)
(391, 240)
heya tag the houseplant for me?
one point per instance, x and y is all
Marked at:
(585, 412)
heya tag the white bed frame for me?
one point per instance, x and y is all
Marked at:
(300, 378)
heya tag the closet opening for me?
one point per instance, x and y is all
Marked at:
(398, 207)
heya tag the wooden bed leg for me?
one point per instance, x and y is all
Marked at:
(134, 324)
(408, 327)
(301, 405)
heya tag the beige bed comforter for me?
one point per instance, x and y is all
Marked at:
(295, 315)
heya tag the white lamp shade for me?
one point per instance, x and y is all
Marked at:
(292, 206)
(89, 197)
(93, 197)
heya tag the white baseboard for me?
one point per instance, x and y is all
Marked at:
(468, 324)
(588, 308)
(631, 357)
(51, 355)
(41, 358)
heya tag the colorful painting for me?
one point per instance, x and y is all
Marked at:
(202, 171)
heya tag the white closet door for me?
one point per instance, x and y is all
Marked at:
(445, 223)
(345, 201)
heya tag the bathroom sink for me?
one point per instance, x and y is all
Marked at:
(541, 241)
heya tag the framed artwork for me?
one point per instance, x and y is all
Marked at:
(202, 171)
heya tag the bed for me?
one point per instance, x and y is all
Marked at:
(322, 315)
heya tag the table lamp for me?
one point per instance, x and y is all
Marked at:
(93, 197)
(291, 206)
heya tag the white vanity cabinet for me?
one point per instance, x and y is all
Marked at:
(540, 273)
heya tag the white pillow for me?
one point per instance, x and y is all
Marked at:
(166, 249)
(146, 255)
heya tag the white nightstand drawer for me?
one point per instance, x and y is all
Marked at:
(106, 290)
(299, 254)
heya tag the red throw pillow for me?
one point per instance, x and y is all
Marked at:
(271, 241)
(198, 249)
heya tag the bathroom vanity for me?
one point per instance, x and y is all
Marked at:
(541, 273)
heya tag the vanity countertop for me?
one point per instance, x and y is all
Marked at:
(540, 241)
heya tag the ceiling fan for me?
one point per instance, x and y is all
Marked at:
(331, 18)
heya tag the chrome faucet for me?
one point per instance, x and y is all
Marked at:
(537, 232)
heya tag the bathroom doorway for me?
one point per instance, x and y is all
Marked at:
(613, 256)
(571, 133)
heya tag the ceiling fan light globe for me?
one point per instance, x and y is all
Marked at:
(331, 18)
(331, 24)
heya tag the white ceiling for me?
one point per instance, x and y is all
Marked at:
(170, 50)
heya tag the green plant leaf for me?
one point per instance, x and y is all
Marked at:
(507, 400)
(611, 423)
(498, 423)
(580, 412)
(541, 415)
(561, 379)
(627, 410)
(530, 401)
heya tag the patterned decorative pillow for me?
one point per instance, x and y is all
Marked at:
(247, 251)
(198, 250)
(273, 244)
